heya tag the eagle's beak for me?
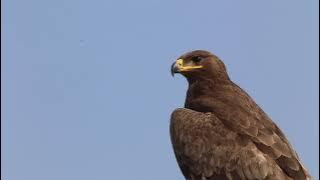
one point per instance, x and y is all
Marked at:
(175, 67)
(178, 67)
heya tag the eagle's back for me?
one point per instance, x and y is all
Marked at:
(207, 149)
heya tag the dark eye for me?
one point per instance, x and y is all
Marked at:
(196, 59)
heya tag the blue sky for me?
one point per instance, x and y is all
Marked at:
(87, 92)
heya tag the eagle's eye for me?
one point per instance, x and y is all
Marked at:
(196, 59)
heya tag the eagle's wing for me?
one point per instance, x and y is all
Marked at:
(206, 148)
(248, 119)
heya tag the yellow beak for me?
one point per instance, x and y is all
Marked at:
(178, 67)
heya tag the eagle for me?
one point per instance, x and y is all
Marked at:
(221, 133)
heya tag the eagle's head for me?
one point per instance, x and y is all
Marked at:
(198, 65)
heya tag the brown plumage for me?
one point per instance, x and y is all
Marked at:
(222, 133)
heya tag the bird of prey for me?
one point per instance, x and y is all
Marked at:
(221, 133)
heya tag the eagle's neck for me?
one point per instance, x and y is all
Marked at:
(202, 93)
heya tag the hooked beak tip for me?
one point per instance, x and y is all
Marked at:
(174, 69)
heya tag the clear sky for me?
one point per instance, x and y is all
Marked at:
(87, 91)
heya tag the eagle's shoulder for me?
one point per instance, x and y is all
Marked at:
(213, 149)
(205, 147)
(190, 123)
